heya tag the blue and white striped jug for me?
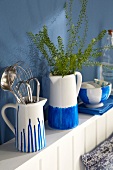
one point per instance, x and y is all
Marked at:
(30, 130)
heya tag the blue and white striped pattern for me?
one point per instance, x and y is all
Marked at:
(16, 129)
(36, 137)
(95, 95)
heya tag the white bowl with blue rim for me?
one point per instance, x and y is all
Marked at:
(94, 93)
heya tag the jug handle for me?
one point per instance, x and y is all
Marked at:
(79, 81)
(5, 117)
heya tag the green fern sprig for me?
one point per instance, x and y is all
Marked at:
(65, 61)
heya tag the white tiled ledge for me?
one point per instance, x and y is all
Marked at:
(11, 159)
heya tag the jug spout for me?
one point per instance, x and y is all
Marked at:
(43, 101)
(54, 79)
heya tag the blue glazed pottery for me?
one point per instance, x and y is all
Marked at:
(94, 96)
(30, 130)
(63, 118)
(63, 107)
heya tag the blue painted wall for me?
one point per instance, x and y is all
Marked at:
(18, 17)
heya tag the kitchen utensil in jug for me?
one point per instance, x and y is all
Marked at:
(29, 131)
(37, 84)
(20, 86)
(28, 91)
(11, 76)
(7, 79)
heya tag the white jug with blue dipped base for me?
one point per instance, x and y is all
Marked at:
(30, 130)
(63, 107)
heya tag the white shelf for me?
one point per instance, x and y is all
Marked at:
(11, 159)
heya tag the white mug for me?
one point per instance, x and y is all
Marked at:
(29, 131)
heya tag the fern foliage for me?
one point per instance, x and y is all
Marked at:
(64, 61)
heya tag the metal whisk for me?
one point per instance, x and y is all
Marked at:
(10, 78)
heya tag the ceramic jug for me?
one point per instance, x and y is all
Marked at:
(29, 131)
(63, 107)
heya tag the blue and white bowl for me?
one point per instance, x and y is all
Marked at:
(93, 95)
